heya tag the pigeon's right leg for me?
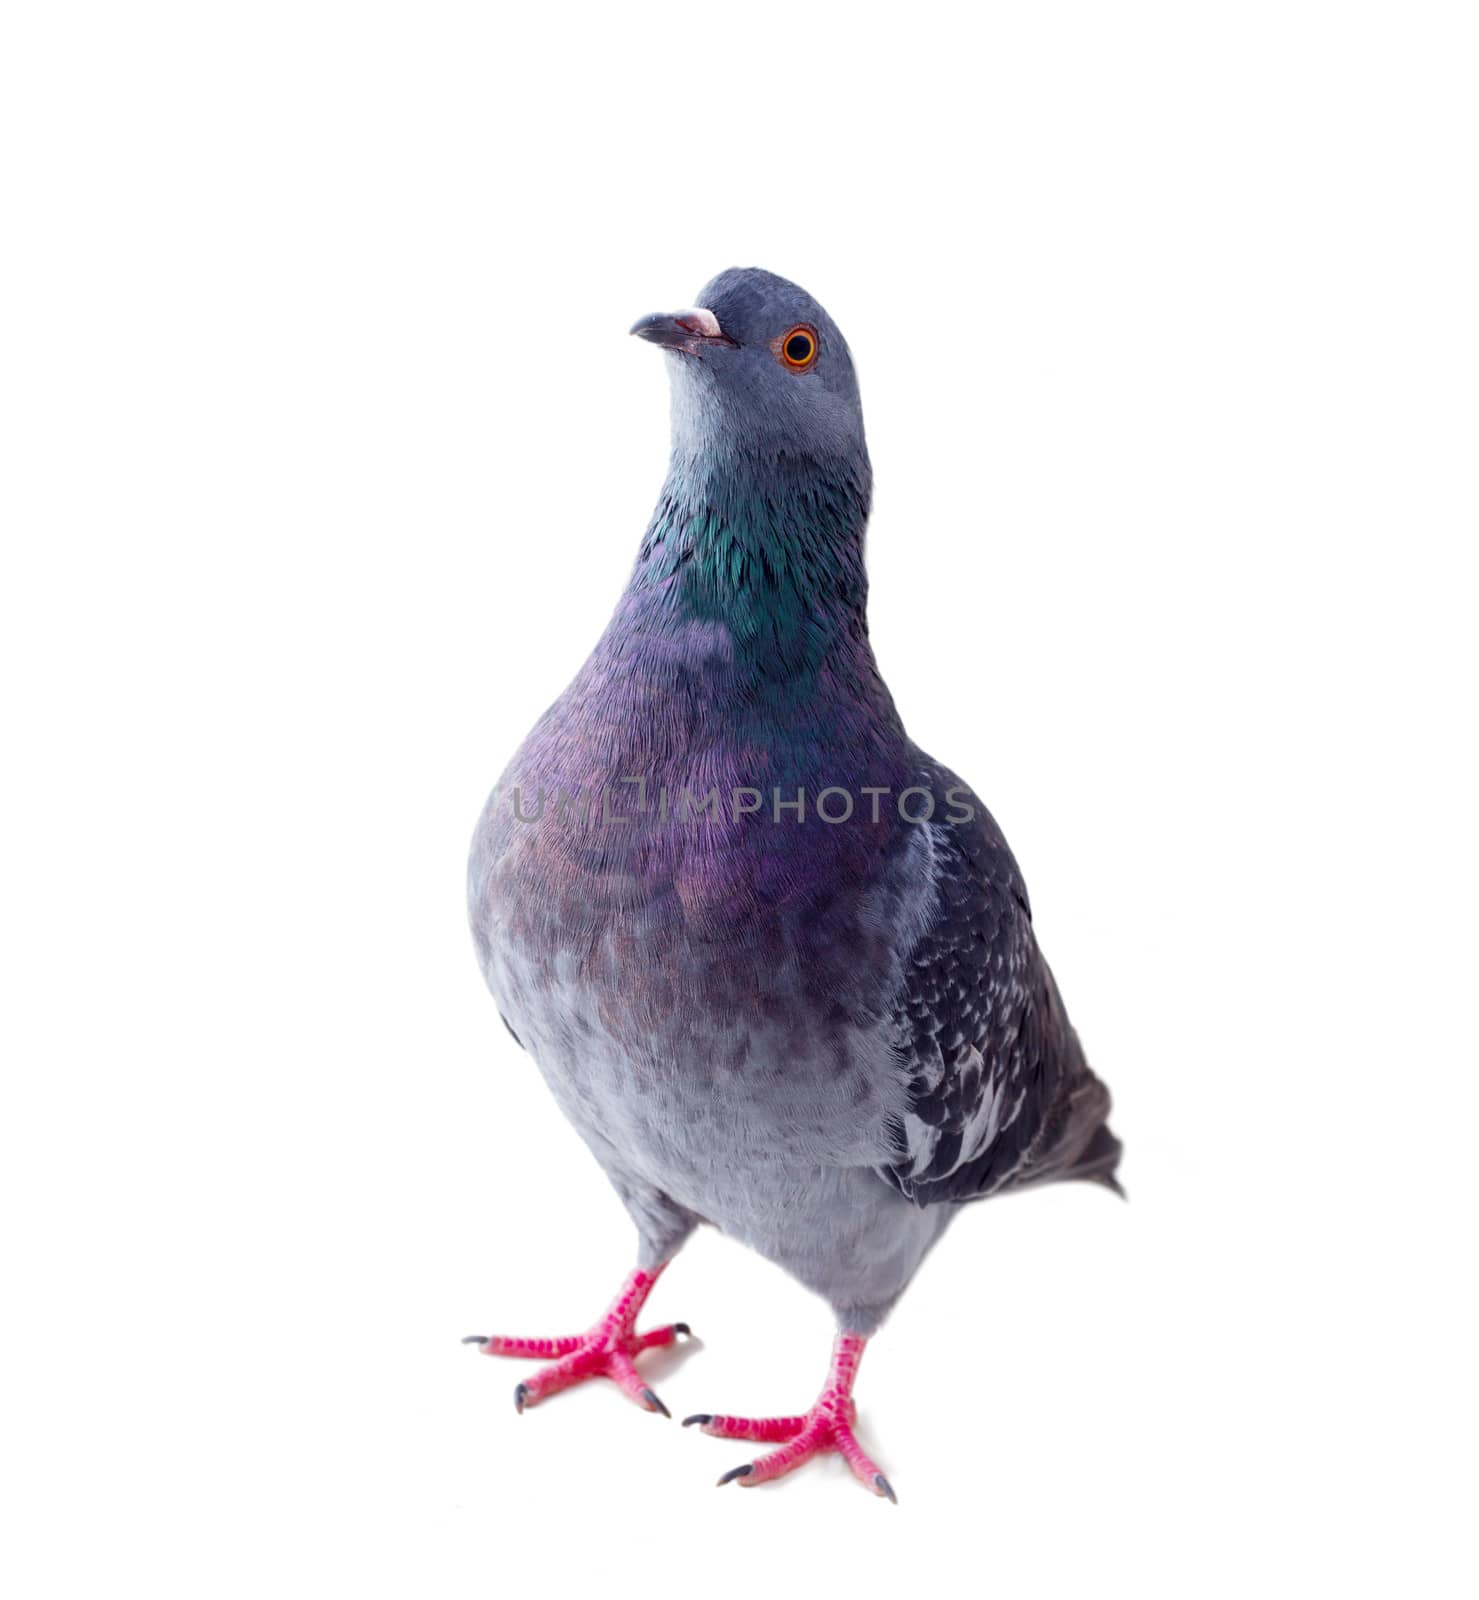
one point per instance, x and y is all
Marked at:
(605, 1350)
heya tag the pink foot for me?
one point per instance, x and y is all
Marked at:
(827, 1426)
(605, 1351)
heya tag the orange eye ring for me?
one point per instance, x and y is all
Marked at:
(798, 348)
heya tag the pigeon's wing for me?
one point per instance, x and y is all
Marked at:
(999, 1092)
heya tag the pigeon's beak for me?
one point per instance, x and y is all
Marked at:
(689, 331)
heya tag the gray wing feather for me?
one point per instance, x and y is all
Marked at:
(1000, 1094)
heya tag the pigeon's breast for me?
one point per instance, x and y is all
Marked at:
(704, 985)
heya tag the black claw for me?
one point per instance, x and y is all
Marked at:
(476, 1338)
(521, 1394)
(683, 1329)
(654, 1403)
(736, 1472)
(702, 1418)
(884, 1487)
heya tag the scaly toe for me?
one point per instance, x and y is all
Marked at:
(754, 1430)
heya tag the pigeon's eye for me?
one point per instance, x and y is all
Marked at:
(799, 348)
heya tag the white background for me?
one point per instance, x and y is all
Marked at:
(325, 453)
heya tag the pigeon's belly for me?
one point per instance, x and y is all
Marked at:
(706, 1045)
(766, 1127)
(668, 1073)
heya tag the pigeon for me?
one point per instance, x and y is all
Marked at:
(775, 963)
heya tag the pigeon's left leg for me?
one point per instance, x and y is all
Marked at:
(827, 1426)
(603, 1351)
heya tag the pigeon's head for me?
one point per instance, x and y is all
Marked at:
(759, 370)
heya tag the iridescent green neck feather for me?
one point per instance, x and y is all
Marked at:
(771, 551)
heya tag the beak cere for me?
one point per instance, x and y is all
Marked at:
(688, 331)
(701, 320)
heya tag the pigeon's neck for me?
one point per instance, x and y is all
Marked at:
(770, 549)
(739, 650)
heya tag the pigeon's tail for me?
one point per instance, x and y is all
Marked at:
(1097, 1161)
(1076, 1142)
